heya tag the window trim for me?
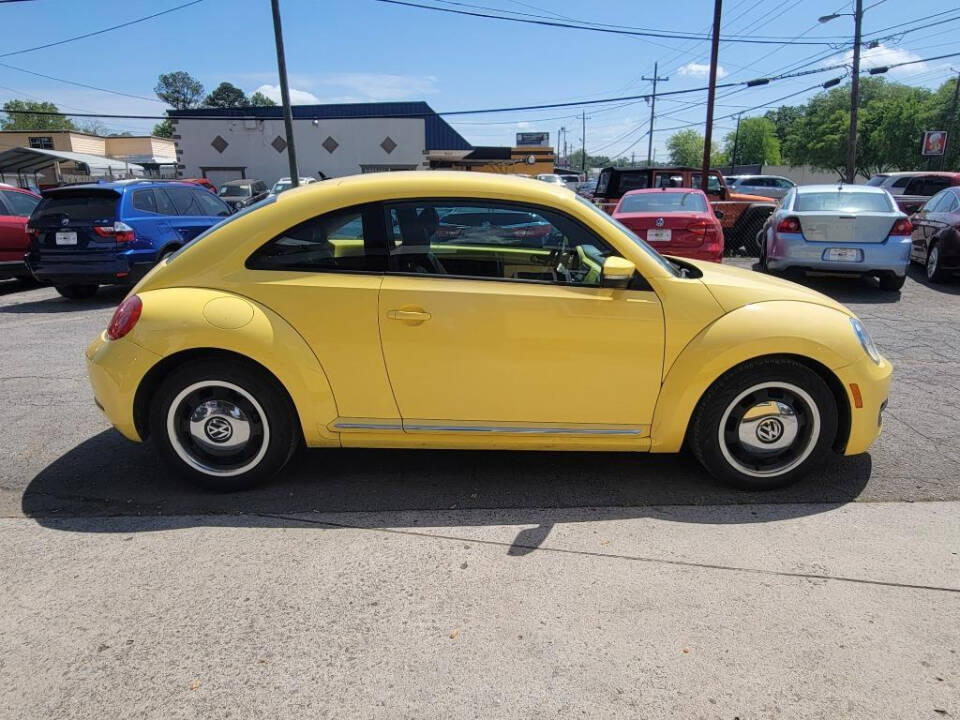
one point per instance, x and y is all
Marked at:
(153, 193)
(368, 211)
(639, 283)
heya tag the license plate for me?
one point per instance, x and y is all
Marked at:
(66, 237)
(658, 236)
(843, 255)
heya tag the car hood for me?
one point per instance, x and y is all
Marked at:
(735, 287)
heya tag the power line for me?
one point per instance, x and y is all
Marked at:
(79, 84)
(101, 32)
(593, 28)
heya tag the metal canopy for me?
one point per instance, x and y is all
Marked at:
(33, 160)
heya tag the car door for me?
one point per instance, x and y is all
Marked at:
(15, 208)
(482, 333)
(922, 229)
(191, 218)
(323, 275)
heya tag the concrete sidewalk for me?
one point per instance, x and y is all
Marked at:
(755, 611)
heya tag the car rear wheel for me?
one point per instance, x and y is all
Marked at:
(935, 272)
(77, 292)
(764, 424)
(224, 427)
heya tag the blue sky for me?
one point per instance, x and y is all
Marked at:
(363, 50)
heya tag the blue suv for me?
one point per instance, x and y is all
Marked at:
(112, 233)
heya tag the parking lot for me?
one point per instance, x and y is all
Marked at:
(862, 548)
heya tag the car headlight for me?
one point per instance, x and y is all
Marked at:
(866, 342)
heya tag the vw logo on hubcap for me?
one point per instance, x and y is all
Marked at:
(769, 430)
(219, 430)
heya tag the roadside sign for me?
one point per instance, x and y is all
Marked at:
(934, 142)
(533, 138)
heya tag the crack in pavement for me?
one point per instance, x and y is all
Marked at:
(617, 556)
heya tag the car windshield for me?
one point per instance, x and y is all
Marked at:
(281, 186)
(235, 191)
(877, 180)
(843, 202)
(666, 264)
(663, 202)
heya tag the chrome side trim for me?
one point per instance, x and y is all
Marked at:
(526, 429)
(367, 424)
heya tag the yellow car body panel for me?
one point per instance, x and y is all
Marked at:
(499, 364)
(178, 319)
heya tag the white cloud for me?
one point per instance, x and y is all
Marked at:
(883, 55)
(701, 70)
(355, 87)
(297, 97)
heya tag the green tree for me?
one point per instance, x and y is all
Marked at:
(258, 99)
(163, 129)
(226, 96)
(23, 119)
(593, 161)
(756, 143)
(685, 148)
(179, 90)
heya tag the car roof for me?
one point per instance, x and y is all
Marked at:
(747, 177)
(119, 186)
(913, 173)
(650, 191)
(804, 189)
(241, 182)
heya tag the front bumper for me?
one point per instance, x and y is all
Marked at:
(873, 382)
(793, 250)
(116, 368)
(13, 269)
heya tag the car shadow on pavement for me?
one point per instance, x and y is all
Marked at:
(918, 273)
(106, 476)
(8, 287)
(852, 290)
(105, 298)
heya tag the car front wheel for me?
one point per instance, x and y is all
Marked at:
(935, 272)
(764, 424)
(224, 426)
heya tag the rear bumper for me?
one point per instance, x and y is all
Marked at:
(120, 269)
(790, 250)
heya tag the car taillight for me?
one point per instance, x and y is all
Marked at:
(119, 231)
(532, 232)
(125, 317)
(903, 226)
(789, 225)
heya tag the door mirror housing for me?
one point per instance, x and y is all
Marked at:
(617, 272)
(718, 214)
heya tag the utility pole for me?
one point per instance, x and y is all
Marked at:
(952, 121)
(708, 134)
(285, 95)
(583, 145)
(653, 109)
(854, 93)
(736, 143)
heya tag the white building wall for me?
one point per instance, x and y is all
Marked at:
(249, 146)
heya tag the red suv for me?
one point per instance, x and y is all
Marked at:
(15, 208)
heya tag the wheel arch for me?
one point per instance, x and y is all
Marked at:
(777, 333)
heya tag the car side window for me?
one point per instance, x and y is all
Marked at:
(211, 205)
(145, 201)
(927, 185)
(493, 241)
(19, 203)
(344, 240)
(165, 205)
(901, 183)
(933, 204)
(184, 200)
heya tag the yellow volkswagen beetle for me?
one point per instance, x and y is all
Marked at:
(467, 310)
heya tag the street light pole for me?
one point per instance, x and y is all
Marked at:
(854, 94)
(285, 95)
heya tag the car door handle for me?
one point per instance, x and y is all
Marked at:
(410, 316)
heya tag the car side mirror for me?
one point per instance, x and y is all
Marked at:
(718, 214)
(617, 272)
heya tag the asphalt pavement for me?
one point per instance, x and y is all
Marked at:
(383, 583)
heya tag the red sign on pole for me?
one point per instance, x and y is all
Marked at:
(934, 142)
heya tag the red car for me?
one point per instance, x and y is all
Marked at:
(674, 221)
(15, 208)
(202, 181)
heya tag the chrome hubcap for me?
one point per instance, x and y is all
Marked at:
(218, 428)
(769, 429)
(932, 260)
